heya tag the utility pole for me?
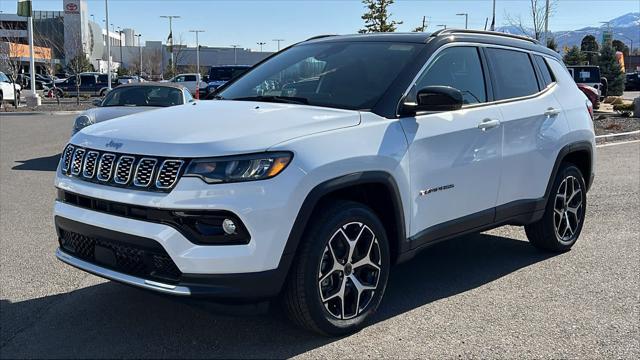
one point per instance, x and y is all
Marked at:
(278, 41)
(466, 19)
(120, 38)
(261, 43)
(235, 55)
(106, 10)
(171, 17)
(139, 36)
(197, 62)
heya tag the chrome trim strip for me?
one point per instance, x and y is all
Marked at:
(153, 170)
(67, 158)
(115, 173)
(124, 278)
(73, 160)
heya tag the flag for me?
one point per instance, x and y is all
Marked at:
(170, 42)
(24, 8)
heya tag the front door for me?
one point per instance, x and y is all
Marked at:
(455, 155)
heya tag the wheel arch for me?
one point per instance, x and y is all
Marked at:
(578, 153)
(376, 189)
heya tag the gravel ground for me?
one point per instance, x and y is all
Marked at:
(484, 296)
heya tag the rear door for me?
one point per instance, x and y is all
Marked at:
(454, 155)
(87, 84)
(532, 123)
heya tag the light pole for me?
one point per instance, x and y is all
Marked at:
(120, 38)
(140, 49)
(197, 53)
(106, 10)
(171, 17)
(93, 18)
(466, 19)
(278, 41)
(443, 26)
(261, 43)
(235, 54)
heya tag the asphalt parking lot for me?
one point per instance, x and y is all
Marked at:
(489, 295)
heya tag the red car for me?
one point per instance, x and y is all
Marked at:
(592, 94)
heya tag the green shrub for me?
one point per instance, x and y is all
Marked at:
(625, 110)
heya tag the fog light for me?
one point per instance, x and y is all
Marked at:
(229, 226)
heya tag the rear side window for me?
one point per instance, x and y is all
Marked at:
(547, 76)
(190, 78)
(513, 73)
(460, 68)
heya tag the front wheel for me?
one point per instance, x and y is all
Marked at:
(341, 270)
(564, 215)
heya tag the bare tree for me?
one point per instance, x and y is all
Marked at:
(55, 48)
(13, 60)
(534, 24)
(154, 62)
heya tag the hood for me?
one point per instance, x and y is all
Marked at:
(212, 128)
(111, 112)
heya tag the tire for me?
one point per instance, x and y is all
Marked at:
(102, 92)
(16, 101)
(316, 275)
(1, 99)
(562, 222)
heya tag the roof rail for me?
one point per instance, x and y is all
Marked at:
(496, 33)
(320, 37)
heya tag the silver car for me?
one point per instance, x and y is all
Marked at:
(133, 98)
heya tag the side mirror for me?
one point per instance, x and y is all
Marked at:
(434, 98)
(97, 102)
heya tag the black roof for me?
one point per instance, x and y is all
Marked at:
(457, 35)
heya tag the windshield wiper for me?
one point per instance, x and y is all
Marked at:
(276, 99)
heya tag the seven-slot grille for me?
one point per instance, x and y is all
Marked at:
(138, 172)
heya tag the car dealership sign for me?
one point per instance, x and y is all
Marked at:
(71, 8)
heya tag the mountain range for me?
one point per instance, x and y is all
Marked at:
(625, 28)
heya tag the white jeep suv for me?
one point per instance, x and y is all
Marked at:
(317, 170)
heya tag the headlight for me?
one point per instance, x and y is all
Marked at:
(81, 122)
(239, 168)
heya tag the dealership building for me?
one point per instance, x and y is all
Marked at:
(60, 35)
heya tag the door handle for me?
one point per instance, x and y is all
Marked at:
(551, 112)
(488, 124)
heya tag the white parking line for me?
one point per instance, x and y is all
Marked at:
(618, 134)
(618, 143)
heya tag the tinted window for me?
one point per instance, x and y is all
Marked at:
(160, 96)
(585, 74)
(460, 68)
(225, 73)
(547, 77)
(190, 78)
(513, 73)
(87, 80)
(350, 75)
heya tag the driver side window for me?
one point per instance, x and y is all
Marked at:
(460, 68)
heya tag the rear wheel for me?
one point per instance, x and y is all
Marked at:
(564, 215)
(341, 270)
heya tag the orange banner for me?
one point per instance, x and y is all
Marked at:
(22, 50)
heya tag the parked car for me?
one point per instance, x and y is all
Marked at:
(632, 82)
(42, 81)
(591, 94)
(588, 75)
(220, 75)
(130, 79)
(90, 84)
(131, 99)
(190, 81)
(7, 92)
(312, 190)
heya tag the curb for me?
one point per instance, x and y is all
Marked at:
(26, 113)
(600, 139)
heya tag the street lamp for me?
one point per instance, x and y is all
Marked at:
(261, 43)
(466, 19)
(235, 55)
(278, 41)
(171, 17)
(106, 11)
(140, 49)
(197, 61)
(443, 25)
(120, 38)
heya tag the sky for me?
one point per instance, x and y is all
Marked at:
(247, 22)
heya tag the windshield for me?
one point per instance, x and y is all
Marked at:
(225, 73)
(348, 75)
(586, 74)
(159, 96)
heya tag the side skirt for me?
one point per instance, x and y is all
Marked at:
(521, 212)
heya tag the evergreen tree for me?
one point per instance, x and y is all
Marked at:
(610, 68)
(574, 56)
(552, 44)
(620, 46)
(590, 47)
(377, 18)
